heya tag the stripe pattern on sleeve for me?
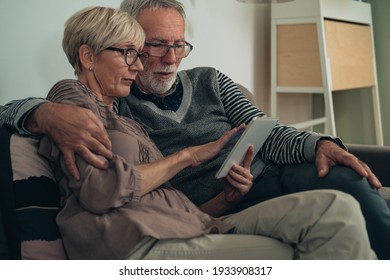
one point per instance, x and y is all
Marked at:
(286, 145)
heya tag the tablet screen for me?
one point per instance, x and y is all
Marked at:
(256, 132)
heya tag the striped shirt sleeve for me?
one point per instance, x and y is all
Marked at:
(16, 112)
(286, 145)
(237, 107)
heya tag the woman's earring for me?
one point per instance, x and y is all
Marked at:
(91, 68)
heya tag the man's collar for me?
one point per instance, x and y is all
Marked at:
(171, 101)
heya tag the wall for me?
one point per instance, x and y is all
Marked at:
(32, 59)
(228, 35)
(31, 55)
(380, 11)
(234, 38)
(353, 109)
(237, 37)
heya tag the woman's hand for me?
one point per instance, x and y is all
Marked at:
(203, 153)
(238, 182)
(158, 172)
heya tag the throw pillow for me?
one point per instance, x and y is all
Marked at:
(36, 201)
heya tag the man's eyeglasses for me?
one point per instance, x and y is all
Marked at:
(131, 55)
(159, 49)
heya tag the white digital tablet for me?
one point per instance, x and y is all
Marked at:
(255, 133)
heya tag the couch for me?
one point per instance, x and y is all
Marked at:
(30, 199)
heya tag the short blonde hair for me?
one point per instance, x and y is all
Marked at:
(99, 28)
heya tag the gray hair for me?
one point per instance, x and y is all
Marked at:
(134, 7)
(99, 28)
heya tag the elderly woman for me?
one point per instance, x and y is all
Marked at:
(130, 210)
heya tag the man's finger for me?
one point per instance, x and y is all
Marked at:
(100, 149)
(248, 157)
(371, 177)
(93, 159)
(99, 133)
(322, 165)
(70, 163)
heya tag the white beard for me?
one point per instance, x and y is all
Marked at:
(155, 85)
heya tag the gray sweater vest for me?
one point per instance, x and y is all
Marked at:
(199, 120)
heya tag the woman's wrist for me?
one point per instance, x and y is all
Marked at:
(185, 157)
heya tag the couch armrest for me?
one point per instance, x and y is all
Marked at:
(376, 157)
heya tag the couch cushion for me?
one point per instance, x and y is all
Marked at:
(33, 232)
(376, 157)
(385, 193)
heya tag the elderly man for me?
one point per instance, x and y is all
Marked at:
(196, 106)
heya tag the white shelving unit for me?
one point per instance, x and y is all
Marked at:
(321, 47)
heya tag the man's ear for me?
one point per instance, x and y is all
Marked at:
(86, 55)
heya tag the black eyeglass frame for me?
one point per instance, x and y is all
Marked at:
(125, 53)
(168, 47)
